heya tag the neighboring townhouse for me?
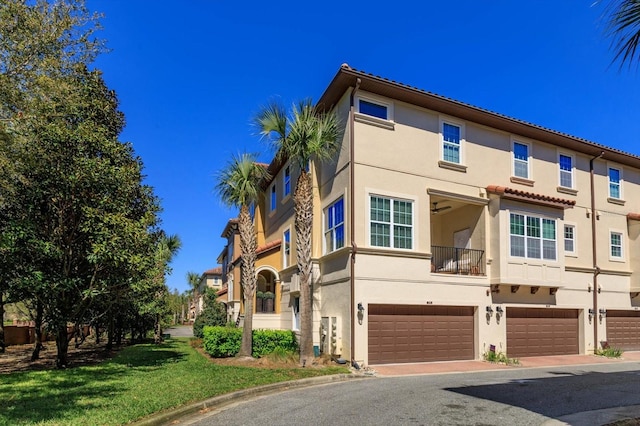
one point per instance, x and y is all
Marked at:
(211, 278)
(443, 230)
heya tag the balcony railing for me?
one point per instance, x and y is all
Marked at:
(459, 261)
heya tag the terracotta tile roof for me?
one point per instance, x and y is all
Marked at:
(530, 197)
(214, 271)
(633, 216)
(270, 245)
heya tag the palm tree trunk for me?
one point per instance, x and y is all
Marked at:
(248, 278)
(303, 201)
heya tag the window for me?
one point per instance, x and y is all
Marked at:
(614, 183)
(334, 226)
(391, 223)
(451, 143)
(569, 239)
(295, 308)
(372, 109)
(616, 245)
(273, 197)
(521, 160)
(566, 171)
(532, 237)
(287, 181)
(286, 248)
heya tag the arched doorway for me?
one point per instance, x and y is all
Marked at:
(267, 292)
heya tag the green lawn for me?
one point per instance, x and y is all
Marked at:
(139, 381)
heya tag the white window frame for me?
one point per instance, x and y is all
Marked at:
(273, 198)
(286, 248)
(377, 101)
(573, 227)
(613, 258)
(519, 141)
(571, 172)
(286, 182)
(460, 125)
(391, 223)
(527, 238)
(330, 232)
(620, 181)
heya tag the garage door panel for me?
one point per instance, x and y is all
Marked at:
(536, 332)
(623, 329)
(416, 333)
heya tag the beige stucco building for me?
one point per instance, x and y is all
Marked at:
(443, 230)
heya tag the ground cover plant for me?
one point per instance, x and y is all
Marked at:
(138, 381)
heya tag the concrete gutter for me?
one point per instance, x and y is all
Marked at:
(169, 416)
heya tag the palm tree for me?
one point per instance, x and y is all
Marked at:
(193, 278)
(167, 247)
(238, 184)
(624, 29)
(306, 133)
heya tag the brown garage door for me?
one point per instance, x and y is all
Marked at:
(623, 330)
(408, 333)
(535, 332)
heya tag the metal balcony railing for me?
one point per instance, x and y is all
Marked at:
(460, 261)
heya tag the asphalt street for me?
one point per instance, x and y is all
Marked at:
(180, 331)
(501, 397)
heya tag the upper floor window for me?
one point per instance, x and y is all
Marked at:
(273, 197)
(286, 248)
(334, 226)
(521, 160)
(391, 223)
(373, 109)
(615, 245)
(287, 181)
(615, 178)
(451, 137)
(566, 171)
(569, 239)
(532, 237)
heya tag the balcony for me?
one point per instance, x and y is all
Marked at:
(457, 261)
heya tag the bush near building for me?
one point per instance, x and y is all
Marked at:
(220, 342)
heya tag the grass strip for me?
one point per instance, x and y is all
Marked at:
(140, 380)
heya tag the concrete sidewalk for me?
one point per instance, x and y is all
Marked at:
(468, 366)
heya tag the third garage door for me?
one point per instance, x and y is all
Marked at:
(623, 330)
(536, 332)
(415, 333)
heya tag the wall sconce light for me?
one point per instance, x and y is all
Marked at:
(499, 310)
(603, 312)
(591, 313)
(360, 308)
(489, 310)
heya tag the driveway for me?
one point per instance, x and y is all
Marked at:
(180, 331)
(505, 396)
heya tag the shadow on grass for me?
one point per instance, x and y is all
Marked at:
(64, 396)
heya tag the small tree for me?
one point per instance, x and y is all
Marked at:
(214, 313)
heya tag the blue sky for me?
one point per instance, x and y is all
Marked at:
(190, 75)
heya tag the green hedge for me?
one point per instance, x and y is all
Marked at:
(222, 342)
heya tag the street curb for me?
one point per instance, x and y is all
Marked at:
(166, 417)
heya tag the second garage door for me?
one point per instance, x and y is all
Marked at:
(536, 332)
(623, 330)
(410, 333)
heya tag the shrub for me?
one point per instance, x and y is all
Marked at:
(609, 352)
(267, 341)
(499, 358)
(214, 314)
(222, 342)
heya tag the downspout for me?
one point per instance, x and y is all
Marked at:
(352, 218)
(596, 269)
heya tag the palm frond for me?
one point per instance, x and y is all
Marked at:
(238, 184)
(271, 123)
(624, 30)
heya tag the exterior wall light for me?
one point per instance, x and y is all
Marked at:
(499, 310)
(489, 310)
(360, 308)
